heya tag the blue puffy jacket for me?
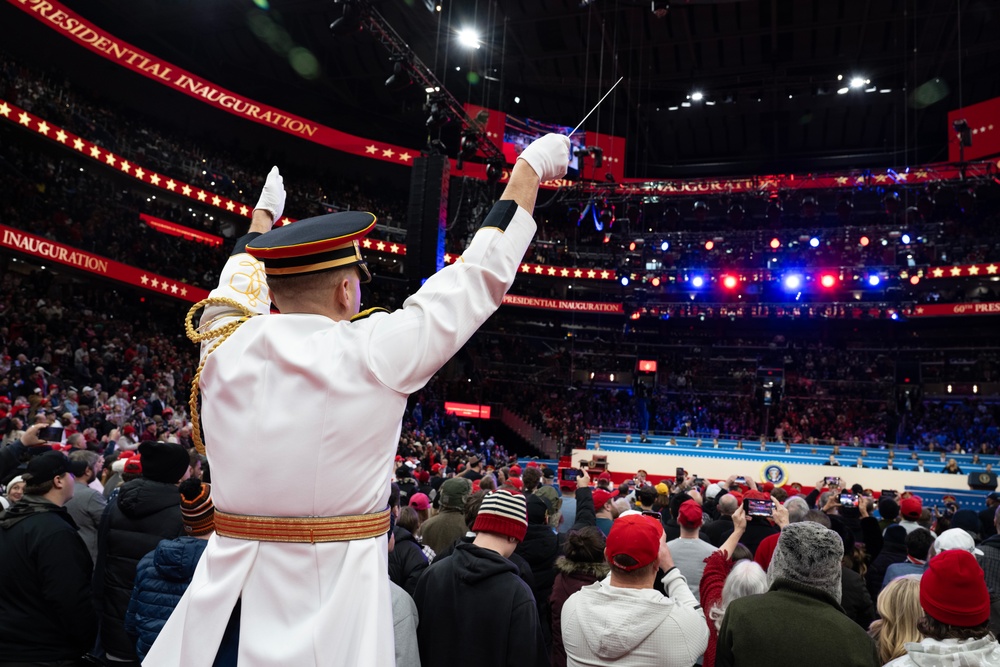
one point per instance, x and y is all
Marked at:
(161, 578)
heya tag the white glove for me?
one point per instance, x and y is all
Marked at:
(272, 198)
(548, 156)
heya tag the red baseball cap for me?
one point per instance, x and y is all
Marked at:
(436, 467)
(515, 470)
(601, 497)
(689, 515)
(911, 507)
(635, 535)
(516, 482)
(134, 465)
(420, 501)
(605, 475)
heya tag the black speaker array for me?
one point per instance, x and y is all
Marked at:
(426, 218)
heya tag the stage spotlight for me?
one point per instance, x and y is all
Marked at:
(494, 170)
(665, 246)
(467, 147)
(400, 77)
(864, 241)
(905, 238)
(793, 282)
(828, 280)
(874, 279)
(858, 82)
(655, 281)
(729, 282)
(438, 114)
(775, 244)
(814, 242)
(697, 281)
(469, 38)
(709, 245)
(350, 19)
(697, 96)
(914, 280)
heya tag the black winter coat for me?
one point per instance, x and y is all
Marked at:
(540, 548)
(46, 605)
(717, 529)
(855, 600)
(891, 554)
(482, 613)
(406, 560)
(144, 512)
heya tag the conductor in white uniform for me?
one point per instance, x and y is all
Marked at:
(326, 387)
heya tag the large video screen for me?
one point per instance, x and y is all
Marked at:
(519, 132)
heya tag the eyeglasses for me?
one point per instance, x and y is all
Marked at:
(655, 515)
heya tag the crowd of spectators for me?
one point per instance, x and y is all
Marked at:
(555, 559)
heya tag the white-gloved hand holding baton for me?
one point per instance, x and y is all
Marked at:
(548, 156)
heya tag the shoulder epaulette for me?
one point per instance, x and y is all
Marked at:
(365, 313)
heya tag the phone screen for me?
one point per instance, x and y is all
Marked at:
(848, 500)
(832, 481)
(756, 507)
(568, 474)
(680, 473)
(51, 434)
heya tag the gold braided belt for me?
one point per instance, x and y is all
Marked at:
(307, 529)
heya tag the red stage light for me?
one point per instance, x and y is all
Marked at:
(914, 280)
(864, 241)
(775, 244)
(631, 246)
(729, 282)
(655, 281)
(828, 280)
(709, 245)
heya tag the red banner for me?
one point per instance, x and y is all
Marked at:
(563, 305)
(46, 250)
(174, 229)
(984, 130)
(955, 309)
(74, 27)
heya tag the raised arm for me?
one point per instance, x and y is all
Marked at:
(410, 345)
(242, 288)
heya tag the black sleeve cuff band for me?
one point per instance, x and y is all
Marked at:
(500, 215)
(241, 242)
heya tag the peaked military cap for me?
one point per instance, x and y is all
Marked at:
(323, 243)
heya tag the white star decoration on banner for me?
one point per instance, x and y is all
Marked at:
(164, 285)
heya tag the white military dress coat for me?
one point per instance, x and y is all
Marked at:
(302, 417)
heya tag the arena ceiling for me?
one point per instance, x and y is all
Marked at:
(767, 69)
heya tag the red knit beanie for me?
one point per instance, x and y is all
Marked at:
(503, 513)
(953, 590)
